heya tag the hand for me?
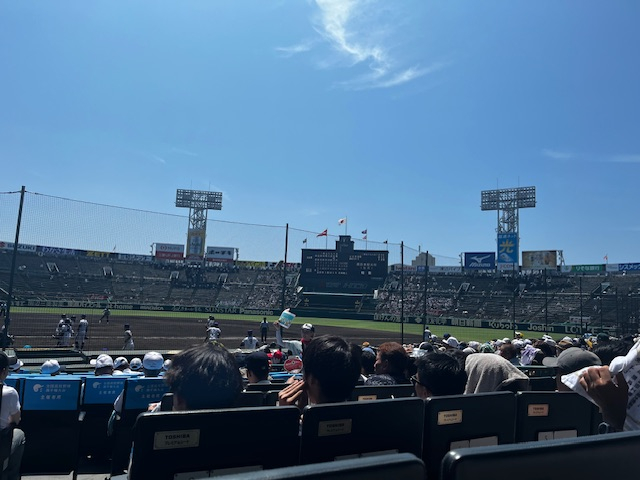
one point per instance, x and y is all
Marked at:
(611, 397)
(293, 393)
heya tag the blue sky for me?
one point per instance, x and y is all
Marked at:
(394, 114)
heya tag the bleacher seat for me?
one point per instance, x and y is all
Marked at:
(378, 467)
(542, 384)
(212, 442)
(336, 430)
(96, 405)
(138, 393)
(457, 421)
(588, 458)
(552, 415)
(51, 423)
(380, 392)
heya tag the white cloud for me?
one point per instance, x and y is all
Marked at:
(360, 33)
(158, 158)
(292, 50)
(625, 159)
(557, 155)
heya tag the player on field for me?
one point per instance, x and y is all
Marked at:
(83, 328)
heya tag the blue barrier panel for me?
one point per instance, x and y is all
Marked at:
(102, 390)
(143, 391)
(53, 393)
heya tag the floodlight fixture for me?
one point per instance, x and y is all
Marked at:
(507, 198)
(199, 199)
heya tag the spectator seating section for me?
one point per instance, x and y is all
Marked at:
(457, 421)
(377, 467)
(212, 442)
(587, 458)
(552, 415)
(335, 430)
(380, 392)
(51, 423)
(98, 396)
(138, 393)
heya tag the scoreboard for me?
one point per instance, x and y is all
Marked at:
(343, 270)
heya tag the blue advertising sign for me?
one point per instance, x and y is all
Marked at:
(624, 267)
(508, 248)
(480, 260)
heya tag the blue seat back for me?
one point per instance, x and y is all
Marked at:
(52, 393)
(140, 392)
(102, 390)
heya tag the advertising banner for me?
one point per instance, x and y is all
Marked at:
(480, 261)
(540, 260)
(220, 254)
(508, 248)
(195, 244)
(21, 247)
(586, 268)
(435, 269)
(628, 267)
(169, 251)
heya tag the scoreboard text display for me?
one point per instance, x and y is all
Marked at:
(344, 269)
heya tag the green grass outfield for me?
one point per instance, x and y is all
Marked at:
(461, 333)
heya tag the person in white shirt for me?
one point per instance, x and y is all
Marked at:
(10, 414)
(250, 342)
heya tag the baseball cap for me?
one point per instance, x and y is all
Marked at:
(572, 360)
(153, 361)
(104, 360)
(308, 326)
(135, 364)
(120, 361)
(49, 367)
(452, 342)
(257, 362)
(166, 365)
(15, 364)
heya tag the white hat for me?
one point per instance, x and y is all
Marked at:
(308, 326)
(166, 365)
(104, 360)
(120, 361)
(50, 367)
(135, 364)
(152, 361)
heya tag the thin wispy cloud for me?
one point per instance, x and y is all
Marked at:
(183, 151)
(557, 154)
(361, 34)
(292, 50)
(625, 159)
(157, 158)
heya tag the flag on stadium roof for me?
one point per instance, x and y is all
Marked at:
(386, 241)
(324, 233)
(364, 232)
(304, 241)
(342, 221)
(364, 238)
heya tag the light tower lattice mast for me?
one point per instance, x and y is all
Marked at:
(199, 203)
(507, 202)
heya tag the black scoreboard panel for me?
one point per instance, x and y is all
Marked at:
(343, 269)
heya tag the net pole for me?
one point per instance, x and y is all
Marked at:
(284, 267)
(7, 318)
(402, 293)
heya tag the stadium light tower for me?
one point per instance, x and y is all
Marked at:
(507, 202)
(198, 202)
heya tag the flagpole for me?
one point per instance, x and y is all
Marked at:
(346, 221)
